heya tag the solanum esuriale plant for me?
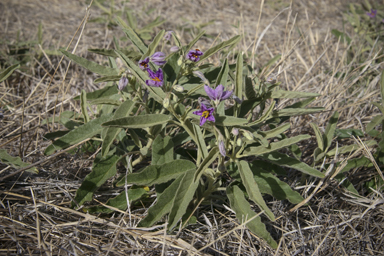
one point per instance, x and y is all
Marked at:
(190, 131)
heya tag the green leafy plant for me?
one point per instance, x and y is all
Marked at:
(191, 131)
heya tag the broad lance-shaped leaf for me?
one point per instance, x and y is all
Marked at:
(162, 150)
(77, 135)
(223, 75)
(157, 174)
(103, 168)
(192, 43)
(120, 201)
(111, 132)
(8, 71)
(265, 116)
(274, 132)
(101, 93)
(319, 136)
(249, 89)
(105, 101)
(152, 46)
(184, 195)
(142, 121)
(200, 141)
(244, 212)
(281, 94)
(83, 105)
(163, 205)
(223, 120)
(295, 111)
(330, 130)
(284, 160)
(206, 162)
(15, 162)
(239, 76)
(132, 35)
(252, 188)
(216, 48)
(255, 151)
(270, 184)
(91, 66)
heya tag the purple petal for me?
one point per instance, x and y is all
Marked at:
(226, 95)
(199, 112)
(219, 91)
(202, 121)
(210, 92)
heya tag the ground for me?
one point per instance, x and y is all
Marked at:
(35, 210)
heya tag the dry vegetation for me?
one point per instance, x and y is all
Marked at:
(35, 213)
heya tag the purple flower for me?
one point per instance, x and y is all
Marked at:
(222, 150)
(174, 48)
(122, 83)
(143, 64)
(158, 58)
(372, 14)
(217, 94)
(168, 35)
(194, 55)
(206, 114)
(156, 78)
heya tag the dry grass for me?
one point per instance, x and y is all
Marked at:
(35, 212)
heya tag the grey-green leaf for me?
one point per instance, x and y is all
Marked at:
(330, 130)
(8, 71)
(284, 160)
(281, 94)
(91, 66)
(157, 174)
(132, 35)
(252, 188)
(103, 168)
(142, 121)
(77, 135)
(213, 50)
(184, 195)
(162, 150)
(15, 162)
(111, 132)
(255, 151)
(244, 212)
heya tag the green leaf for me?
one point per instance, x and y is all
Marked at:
(8, 71)
(348, 133)
(249, 89)
(157, 174)
(296, 111)
(193, 42)
(111, 132)
(152, 46)
(77, 135)
(132, 35)
(252, 188)
(271, 62)
(330, 130)
(183, 197)
(107, 79)
(104, 92)
(350, 148)
(230, 121)
(163, 205)
(104, 52)
(270, 184)
(120, 201)
(206, 162)
(90, 65)
(103, 168)
(200, 141)
(281, 94)
(256, 151)
(319, 136)
(83, 105)
(213, 50)
(346, 183)
(223, 75)
(265, 116)
(105, 101)
(284, 160)
(239, 76)
(244, 212)
(15, 162)
(162, 150)
(142, 121)
(343, 37)
(275, 132)
(381, 88)
(376, 120)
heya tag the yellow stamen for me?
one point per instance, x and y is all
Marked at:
(156, 79)
(205, 114)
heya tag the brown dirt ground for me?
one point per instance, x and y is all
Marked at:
(35, 212)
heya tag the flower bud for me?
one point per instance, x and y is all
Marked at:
(123, 83)
(247, 134)
(166, 103)
(174, 49)
(235, 131)
(222, 148)
(178, 88)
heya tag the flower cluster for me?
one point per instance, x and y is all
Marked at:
(216, 95)
(157, 77)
